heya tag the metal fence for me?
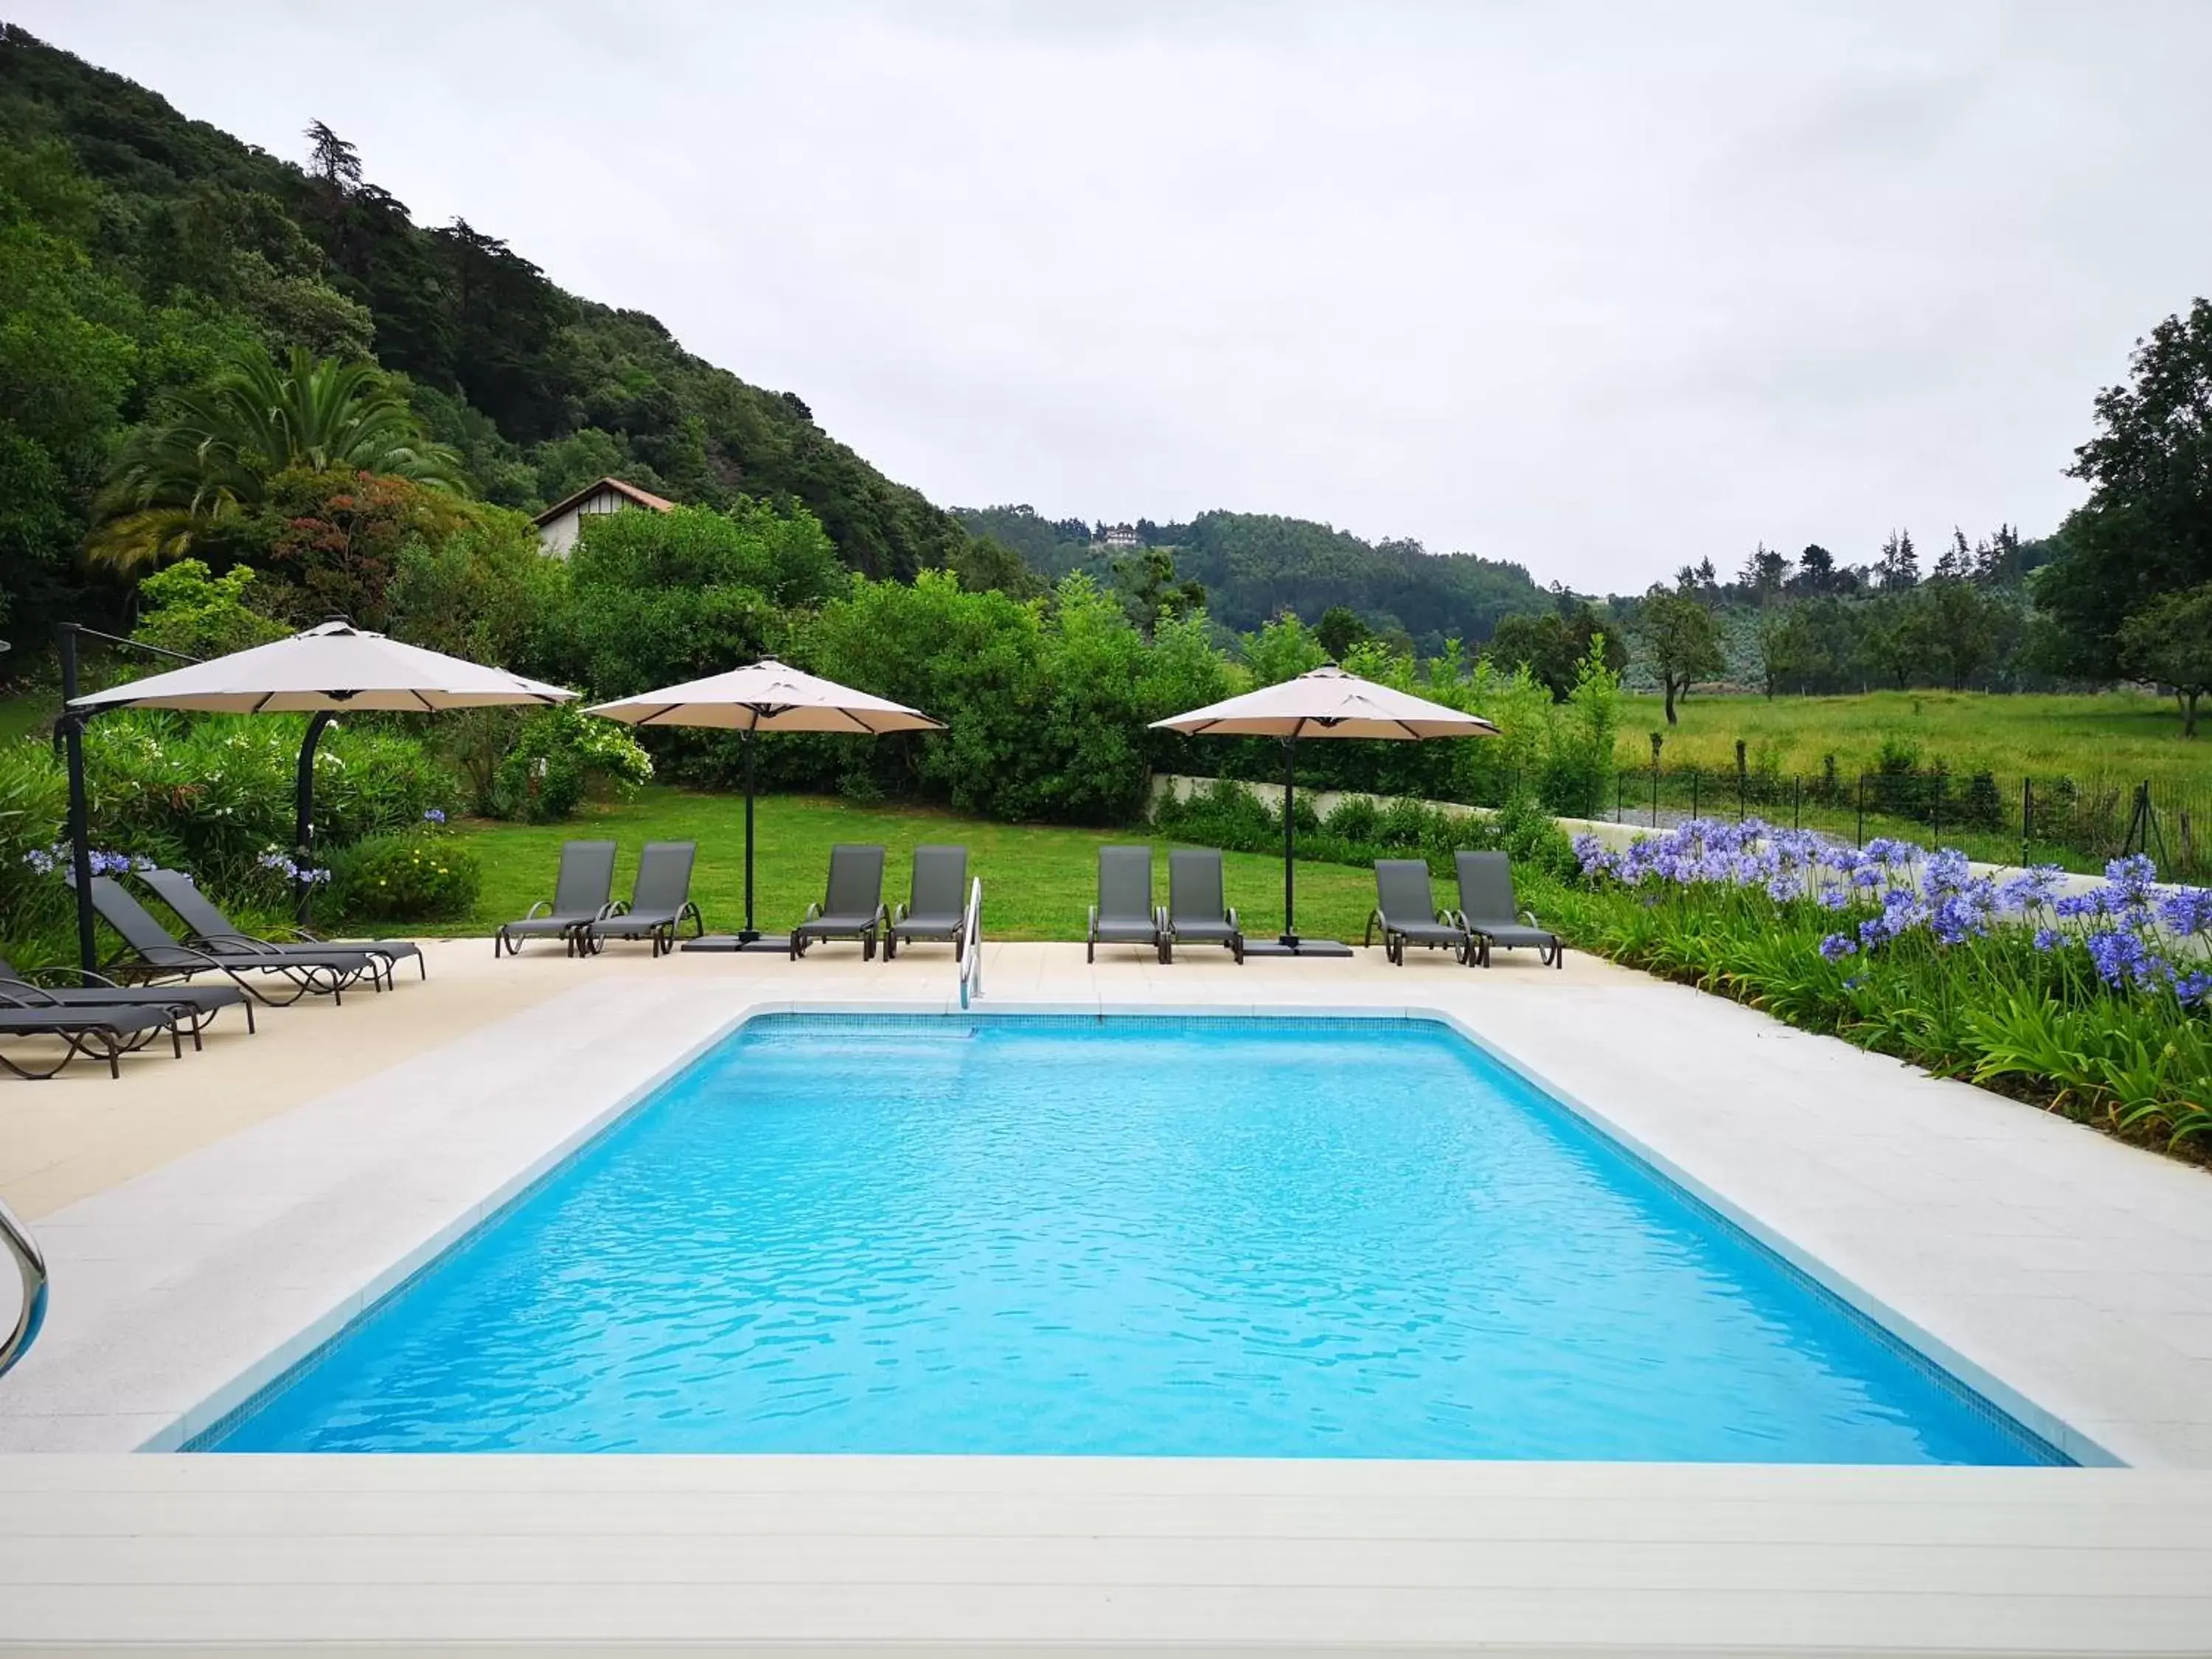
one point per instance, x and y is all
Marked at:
(2019, 819)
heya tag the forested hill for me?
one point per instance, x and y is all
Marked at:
(1255, 565)
(174, 236)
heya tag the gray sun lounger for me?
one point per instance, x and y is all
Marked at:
(660, 902)
(1406, 913)
(583, 892)
(1125, 914)
(216, 933)
(106, 1033)
(1486, 910)
(195, 1005)
(1197, 913)
(939, 903)
(153, 952)
(852, 906)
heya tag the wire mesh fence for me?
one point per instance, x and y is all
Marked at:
(2079, 824)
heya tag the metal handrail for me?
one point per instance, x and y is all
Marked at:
(31, 1265)
(971, 944)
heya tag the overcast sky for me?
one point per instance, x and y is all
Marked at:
(1599, 288)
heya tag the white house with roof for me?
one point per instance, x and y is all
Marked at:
(559, 524)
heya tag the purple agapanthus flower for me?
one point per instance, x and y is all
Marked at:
(1839, 945)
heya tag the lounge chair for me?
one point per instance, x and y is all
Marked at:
(195, 1005)
(153, 952)
(660, 902)
(1406, 913)
(216, 934)
(1486, 910)
(853, 905)
(1125, 914)
(1196, 913)
(582, 893)
(938, 907)
(108, 1033)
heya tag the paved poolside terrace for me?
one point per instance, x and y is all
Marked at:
(209, 1221)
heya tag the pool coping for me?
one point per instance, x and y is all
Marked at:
(277, 1366)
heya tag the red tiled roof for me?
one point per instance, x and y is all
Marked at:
(630, 491)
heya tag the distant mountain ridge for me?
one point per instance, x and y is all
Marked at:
(1255, 565)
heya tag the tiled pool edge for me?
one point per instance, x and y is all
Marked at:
(276, 1368)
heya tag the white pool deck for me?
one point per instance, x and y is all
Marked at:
(209, 1221)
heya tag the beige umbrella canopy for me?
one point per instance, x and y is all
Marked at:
(766, 696)
(1322, 702)
(331, 668)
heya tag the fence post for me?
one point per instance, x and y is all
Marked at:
(1862, 840)
(2027, 815)
(1936, 806)
(1693, 792)
(1739, 780)
(1798, 807)
(1656, 740)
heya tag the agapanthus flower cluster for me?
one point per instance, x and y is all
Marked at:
(56, 860)
(2135, 935)
(431, 815)
(291, 869)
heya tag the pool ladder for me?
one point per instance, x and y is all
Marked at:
(31, 1265)
(971, 944)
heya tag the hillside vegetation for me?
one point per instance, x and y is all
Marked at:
(139, 249)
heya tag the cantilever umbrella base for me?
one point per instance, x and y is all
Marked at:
(1295, 947)
(779, 943)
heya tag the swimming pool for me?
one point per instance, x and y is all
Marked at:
(1149, 1237)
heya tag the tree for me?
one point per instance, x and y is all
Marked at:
(214, 451)
(1787, 651)
(2146, 530)
(1816, 571)
(1965, 623)
(1897, 569)
(1765, 574)
(2170, 640)
(1341, 629)
(1151, 592)
(1681, 642)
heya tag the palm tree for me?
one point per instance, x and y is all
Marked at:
(217, 446)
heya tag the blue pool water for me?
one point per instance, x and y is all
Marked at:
(1168, 1237)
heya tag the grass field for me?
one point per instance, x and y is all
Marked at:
(2128, 736)
(24, 713)
(1037, 881)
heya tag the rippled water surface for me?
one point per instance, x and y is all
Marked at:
(1176, 1238)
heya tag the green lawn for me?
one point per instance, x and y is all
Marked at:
(24, 712)
(1037, 881)
(2121, 734)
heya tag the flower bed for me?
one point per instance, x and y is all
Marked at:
(2097, 1004)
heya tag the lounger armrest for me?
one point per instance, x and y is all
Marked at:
(1529, 917)
(619, 907)
(85, 977)
(1091, 927)
(813, 914)
(543, 906)
(898, 913)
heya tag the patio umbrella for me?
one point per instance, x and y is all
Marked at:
(766, 696)
(331, 668)
(1322, 702)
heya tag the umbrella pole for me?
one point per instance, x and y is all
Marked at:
(1289, 941)
(745, 743)
(80, 814)
(303, 822)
